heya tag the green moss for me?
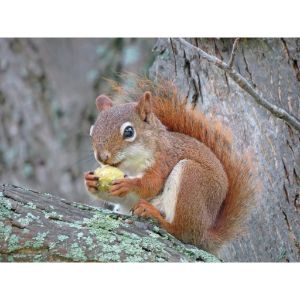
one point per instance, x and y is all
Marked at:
(101, 221)
(153, 234)
(5, 203)
(111, 248)
(77, 253)
(134, 258)
(28, 219)
(24, 221)
(52, 245)
(130, 248)
(5, 208)
(160, 259)
(38, 258)
(10, 258)
(39, 239)
(62, 237)
(89, 241)
(30, 205)
(28, 244)
(5, 231)
(79, 235)
(109, 257)
(53, 215)
(152, 244)
(13, 243)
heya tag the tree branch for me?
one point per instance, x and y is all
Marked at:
(245, 85)
(41, 227)
(233, 52)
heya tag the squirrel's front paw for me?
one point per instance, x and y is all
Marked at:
(91, 182)
(122, 187)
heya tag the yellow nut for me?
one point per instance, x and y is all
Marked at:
(107, 174)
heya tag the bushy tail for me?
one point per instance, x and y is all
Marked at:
(176, 116)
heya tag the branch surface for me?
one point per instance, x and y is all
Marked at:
(42, 227)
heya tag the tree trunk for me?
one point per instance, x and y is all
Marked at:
(42, 227)
(271, 66)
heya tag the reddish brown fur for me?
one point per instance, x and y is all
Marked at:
(229, 214)
(146, 187)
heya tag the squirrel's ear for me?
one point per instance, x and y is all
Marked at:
(144, 106)
(103, 102)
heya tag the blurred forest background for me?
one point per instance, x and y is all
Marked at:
(47, 92)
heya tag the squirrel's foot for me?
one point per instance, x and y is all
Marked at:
(91, 182)
(122, 187)
(146, 210)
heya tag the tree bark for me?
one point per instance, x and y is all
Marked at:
(271, 66)
(41, 227)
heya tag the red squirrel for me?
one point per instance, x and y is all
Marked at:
(181, 168)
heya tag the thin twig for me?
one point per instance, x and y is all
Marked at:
(233, 52)
(245, 85)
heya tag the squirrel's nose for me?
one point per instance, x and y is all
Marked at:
(103, 156)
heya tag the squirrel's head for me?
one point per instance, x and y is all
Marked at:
(122, 135)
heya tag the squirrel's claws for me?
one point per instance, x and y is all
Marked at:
(120, 187)
(119, 191)
(89, 176)
(117, 181)
(91, 182)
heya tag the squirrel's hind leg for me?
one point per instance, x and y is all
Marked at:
(146, 210)
(190, 201)
(162, 208)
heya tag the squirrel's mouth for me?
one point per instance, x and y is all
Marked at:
(116, 164)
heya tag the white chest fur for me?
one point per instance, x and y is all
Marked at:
(135, 160)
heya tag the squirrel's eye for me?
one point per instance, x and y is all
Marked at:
(128, 132)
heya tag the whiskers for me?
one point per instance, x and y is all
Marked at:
(85, 162)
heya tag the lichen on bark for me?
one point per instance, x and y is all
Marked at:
(42, 227)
